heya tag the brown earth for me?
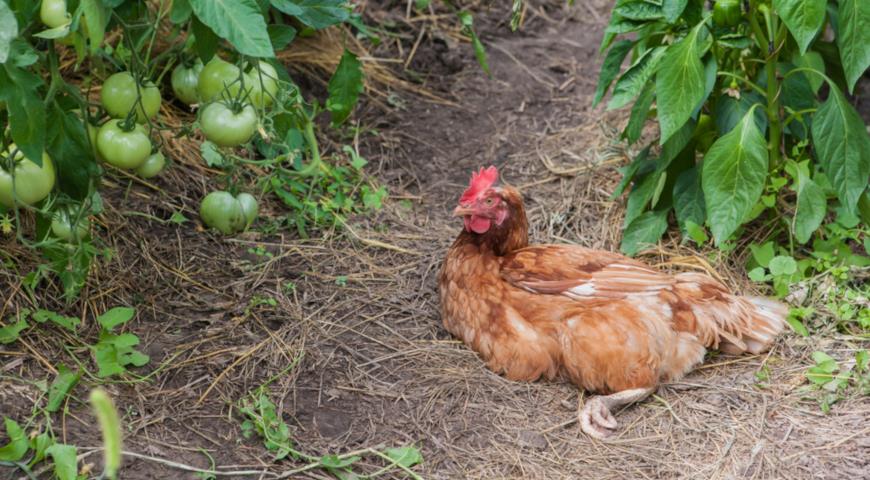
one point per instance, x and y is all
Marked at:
(373, 366)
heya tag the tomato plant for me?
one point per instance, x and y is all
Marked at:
(53, 13)
(152, 166)
(228, 214)
(218, 79)
(23, 180)
(228, 125)
(782, 147)
(185, 80)
(123, 147)
(121, 93)
(264, 84)
(66, 226)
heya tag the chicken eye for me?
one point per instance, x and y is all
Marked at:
(489, 201)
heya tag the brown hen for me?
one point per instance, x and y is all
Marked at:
(611, 324)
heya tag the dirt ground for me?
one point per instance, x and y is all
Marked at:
(375, 367)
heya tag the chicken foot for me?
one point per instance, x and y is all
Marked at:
(595, 417)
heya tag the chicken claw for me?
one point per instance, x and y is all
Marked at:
(596, 419)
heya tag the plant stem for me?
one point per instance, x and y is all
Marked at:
(775, 135)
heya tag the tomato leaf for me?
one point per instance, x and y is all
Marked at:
(281, 35)
(17, 446)
(811, 204)
(672, 9)
(240, 22)
(803, 18)
(610, 68)
(689, 203)
(18, 88)
(206, 43)
(853, 39)
(644, 231)
(95, 17)
(116, 316)
(65, 461)
(732, 177)
(317, 14)
(73, 157)
(680, 82)
(842, 146)
(8, 31)
(345, 86)
(61, 386)
(633, 80)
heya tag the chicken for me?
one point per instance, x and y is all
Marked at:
(610, 324)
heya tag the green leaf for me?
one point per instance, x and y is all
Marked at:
(60, 387)
(211, 154)
(405, 456)
(639, 114)
(794, 321)
(18, 88)
(810, 208)
(672, 9)
(644, 231)
(39, 444)
(69, 323)
(317, 14)
(240, 22)
(281, 35)
(479, 51)
(10, 333)
(680, 83)
(629, 171)
(689, 199)
(180, 12)
(633, 80)
(853, 39)
(206, 41)
(641, 11)
(814, 60)
(842, 146)
(73, 157)
(65, 461)
(641, 194)
(95, 17)
(610, 68)
(728, 111)
(757, 274)
(17, 446)
(8, 31)
(333, 461)
(763, 254)
(115, 317)
(733, 175)
(676, 144)
(697, 233)
(345, 87)
(804, 19)
(783, 265)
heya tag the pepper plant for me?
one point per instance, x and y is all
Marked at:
(754, 122)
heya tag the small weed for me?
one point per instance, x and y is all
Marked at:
(834, 380)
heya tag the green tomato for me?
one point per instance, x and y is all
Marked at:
(222, 211)
(727, 13)
(53, 13)
(264, 84)
(62, 226)
(185, 81)
(153, 165)
(250, 208)
(119, 97)
(224, 127)
(32, 183)
(123, 149)
(219, 79)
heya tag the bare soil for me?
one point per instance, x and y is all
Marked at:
(373, 365)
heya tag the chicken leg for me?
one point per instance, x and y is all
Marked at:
(595, 417)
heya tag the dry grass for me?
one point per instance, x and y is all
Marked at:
(376, 367)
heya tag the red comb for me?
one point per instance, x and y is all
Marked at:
(480, 182)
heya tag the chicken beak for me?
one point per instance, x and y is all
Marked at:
(461, 211)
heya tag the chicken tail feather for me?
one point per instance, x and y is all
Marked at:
(733, 324)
